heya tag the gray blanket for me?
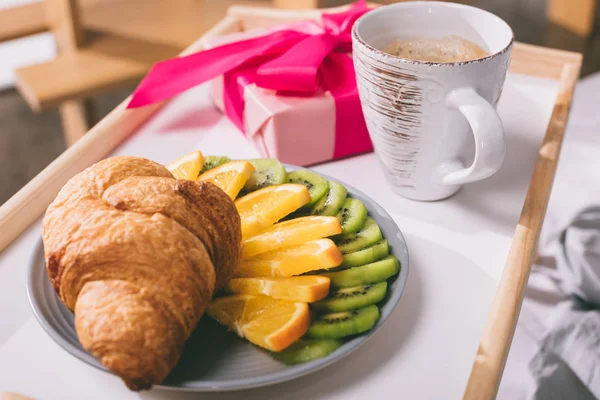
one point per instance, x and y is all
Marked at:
(567, 363)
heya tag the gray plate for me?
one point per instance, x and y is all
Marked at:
(213, 359)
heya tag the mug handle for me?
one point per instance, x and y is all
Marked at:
(488, 133)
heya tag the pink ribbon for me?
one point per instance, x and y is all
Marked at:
(287, 61)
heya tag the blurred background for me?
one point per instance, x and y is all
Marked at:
(64, 64)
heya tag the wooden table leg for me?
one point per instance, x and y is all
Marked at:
(76, 117)
(65, 19)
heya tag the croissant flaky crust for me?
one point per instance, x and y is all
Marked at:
(137, 254)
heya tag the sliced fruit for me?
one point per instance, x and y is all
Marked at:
(267, 322)
(367, 255)
(352, 216)
(307, 289)
(297, 260)
(262, 208)
(342, 324)
(211, 162)
(305, 350)
(367, 236)
(268, 172)
(375, 272)
(230, 177)
(353, 298)
(316, 184)
(188, 166)
(331, 203)
(291, 233)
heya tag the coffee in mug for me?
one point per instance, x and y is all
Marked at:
(451, 48)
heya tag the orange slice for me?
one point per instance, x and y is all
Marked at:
(188, 166)
(310, 256)
(262, 208)
(297, 288)
(267, 322)
(291, 233)
(231, 176)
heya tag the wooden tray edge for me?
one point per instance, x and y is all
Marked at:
(499, 329)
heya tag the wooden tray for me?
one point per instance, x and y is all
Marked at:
(563, 67)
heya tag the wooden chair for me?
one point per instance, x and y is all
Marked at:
(102, 45)
(578, 16)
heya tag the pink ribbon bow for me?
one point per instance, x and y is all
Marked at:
(287, 61)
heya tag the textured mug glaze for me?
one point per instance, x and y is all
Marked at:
(433, 125)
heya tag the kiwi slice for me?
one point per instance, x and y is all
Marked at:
(377, 271)
(316, 184)
(367, 255)
(352, 216)
(352, 298)
(341, 324)
(366, 236)
(267, 172)
(211, 162)
(305, 350)
(330, 204)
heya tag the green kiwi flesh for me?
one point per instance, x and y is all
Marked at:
(342, 324)
(267, 172)
(316, 184)
(352, 216)
(352, 298)
(366, 255)
(211, 162)
(366, 236)
(330, 204)
(375, 272)
(305, 350)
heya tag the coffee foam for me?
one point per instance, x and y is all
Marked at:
(450, 48)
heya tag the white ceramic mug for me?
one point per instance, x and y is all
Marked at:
(422, 116)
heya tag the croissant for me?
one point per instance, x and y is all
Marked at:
(137, 255)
